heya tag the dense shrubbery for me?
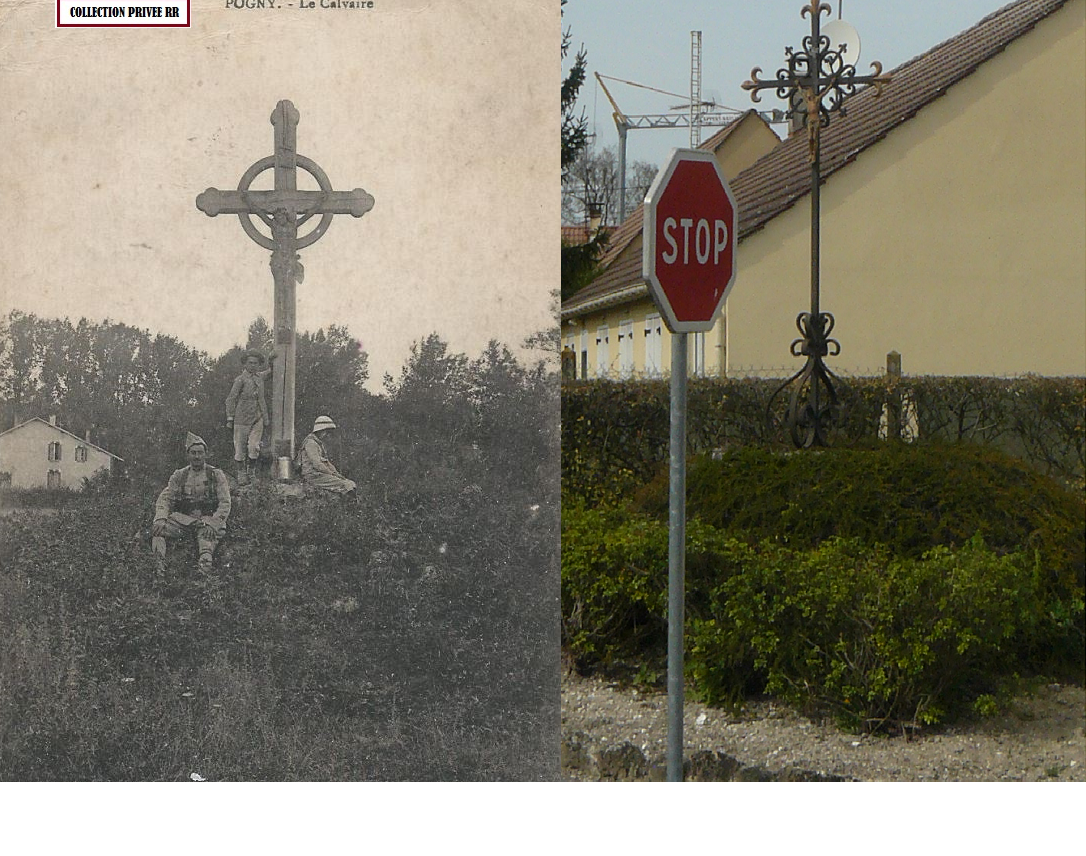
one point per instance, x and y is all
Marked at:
(616, 435)
(844, 627)
(883, 585)
(910, 498)
(854, 578)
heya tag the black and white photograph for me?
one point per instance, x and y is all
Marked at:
(279, 395)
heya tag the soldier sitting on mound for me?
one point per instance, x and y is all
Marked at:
(318, 471)
(195, 502)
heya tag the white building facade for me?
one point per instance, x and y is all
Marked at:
(37, 453)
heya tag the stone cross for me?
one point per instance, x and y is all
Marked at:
(283, 210)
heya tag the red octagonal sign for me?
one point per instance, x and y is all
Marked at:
(689, 240)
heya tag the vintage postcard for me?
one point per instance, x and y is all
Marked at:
(278, 390)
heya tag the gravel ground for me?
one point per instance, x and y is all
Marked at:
(1042, 737)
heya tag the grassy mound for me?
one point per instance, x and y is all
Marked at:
(909, 498)
(334, 641)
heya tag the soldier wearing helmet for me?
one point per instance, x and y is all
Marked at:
(318, 471)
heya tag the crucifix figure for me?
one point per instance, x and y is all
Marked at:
(816, 83)
(283, 210)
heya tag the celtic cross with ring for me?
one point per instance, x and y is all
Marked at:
(284, 210)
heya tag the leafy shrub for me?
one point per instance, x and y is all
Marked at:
(873, 639)
(909, 498)
(37, 497)
(843, 626)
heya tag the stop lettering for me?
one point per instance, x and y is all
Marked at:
(718, 242)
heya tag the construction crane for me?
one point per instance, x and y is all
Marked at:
(700, 114)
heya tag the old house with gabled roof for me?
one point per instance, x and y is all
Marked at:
(953, 223)
(37, 453)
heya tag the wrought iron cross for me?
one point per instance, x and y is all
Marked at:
(283, 210)
(815, 83)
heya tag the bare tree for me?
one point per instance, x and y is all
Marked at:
(592, 187)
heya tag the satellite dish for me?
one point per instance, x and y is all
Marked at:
(843, 33)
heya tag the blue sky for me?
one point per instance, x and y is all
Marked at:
(648, 42)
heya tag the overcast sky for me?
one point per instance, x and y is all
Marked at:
(648, 42)
(445, 113)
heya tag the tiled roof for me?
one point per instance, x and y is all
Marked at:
(56, 427)
(575, 235)
(780, 178)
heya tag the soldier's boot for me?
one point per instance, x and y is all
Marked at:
(158, 551)
(254, 469)
(243, 472)
(203, 564)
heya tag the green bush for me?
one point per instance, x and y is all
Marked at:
(616, 434)
(844, 626)
(909, 498)
(873, 639)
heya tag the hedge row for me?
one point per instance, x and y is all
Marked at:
(616, 435)
(909, 498)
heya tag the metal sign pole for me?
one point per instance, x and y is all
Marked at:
(676, 560)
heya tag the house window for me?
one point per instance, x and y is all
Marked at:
(603, 354)
(81, 454)
(625, 349)
(654, 336)
(54, 451)
(584, 355)
(52, 479)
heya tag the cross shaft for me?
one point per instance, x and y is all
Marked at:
(823, 78)
(283, 210)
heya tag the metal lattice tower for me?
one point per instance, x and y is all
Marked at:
(695, 88)
(695, 115)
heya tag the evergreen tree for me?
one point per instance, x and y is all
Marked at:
(578, 261)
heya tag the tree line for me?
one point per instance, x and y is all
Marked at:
(138, 392)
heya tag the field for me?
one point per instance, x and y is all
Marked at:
(335, 640)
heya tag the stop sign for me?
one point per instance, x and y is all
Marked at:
(689, 240)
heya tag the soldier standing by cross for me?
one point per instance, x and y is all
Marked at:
(283, 210)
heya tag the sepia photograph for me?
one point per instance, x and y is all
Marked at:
(279, 394)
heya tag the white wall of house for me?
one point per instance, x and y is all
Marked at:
(25, 454)
(638, 344)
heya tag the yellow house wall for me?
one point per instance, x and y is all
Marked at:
(748, 142)
(959, 240)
